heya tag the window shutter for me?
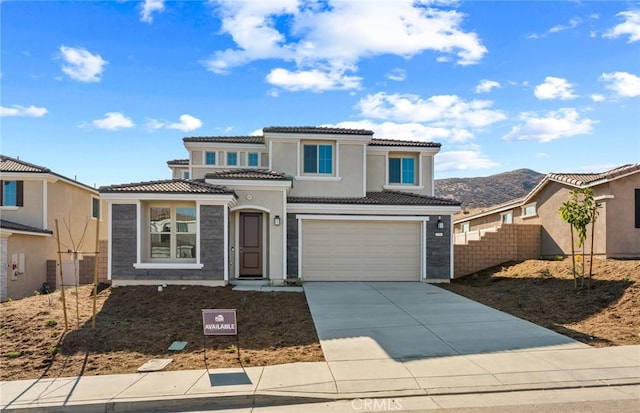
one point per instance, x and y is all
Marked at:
(20, 193)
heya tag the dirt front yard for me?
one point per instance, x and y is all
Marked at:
(136, 324)
(542, 292)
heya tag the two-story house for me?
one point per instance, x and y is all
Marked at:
(32, 197)
(307, 203)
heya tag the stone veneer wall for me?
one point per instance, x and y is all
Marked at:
(86, 268)
(438, 248)
(292, 246)
(512, 242)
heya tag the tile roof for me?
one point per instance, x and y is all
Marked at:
(588, 178)
(169, 186)
(316, 130)
(378, 198)
(8, 164)
(19, 227)
(393, 142)
(178, 162)
(248, 173)
(226, 139)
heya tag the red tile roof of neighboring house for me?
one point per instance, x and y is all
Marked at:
(588, 178)
(8, 164)
(226, 139)
(316, 130)
(178, 162)
(14, 226)
(378, 198)
(248, 173)
(170, 186)
(393, 142)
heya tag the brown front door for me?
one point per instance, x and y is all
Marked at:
(250, 244)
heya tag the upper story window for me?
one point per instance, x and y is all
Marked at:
(232, 158)
(95, 208)
(253, 159)
(210, 158)
(185, 175)
(402, 170)
(172, 232)
(317, 159)
(529, 210)
(506, 217)
(11, 193)
(464, 227)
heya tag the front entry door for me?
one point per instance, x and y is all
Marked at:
(250, 245)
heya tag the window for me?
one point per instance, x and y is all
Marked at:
(402, 170)
(464, 227)
(172, 233)
(210, 158)
(506, 217)
(11, 193)
(185, 175)
(637, 208)
(252, 159)
(529, 210)
(232, 158)
(318, 159)
(95, 208)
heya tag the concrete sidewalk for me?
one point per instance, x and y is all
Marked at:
(328, 381)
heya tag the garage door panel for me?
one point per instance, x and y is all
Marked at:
(361, 250)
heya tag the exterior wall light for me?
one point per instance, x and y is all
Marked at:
(276, 220)
(440, 223)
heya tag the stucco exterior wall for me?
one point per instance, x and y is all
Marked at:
(376, 171)
(31, 213)
(623, 240)
(510, 243)
(124, 246)
(274, 202)
(36, 250)
(284, 157)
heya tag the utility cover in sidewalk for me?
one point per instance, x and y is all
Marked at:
(178, 345)
(154, 365)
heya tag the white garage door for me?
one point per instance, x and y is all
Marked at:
(361, 250)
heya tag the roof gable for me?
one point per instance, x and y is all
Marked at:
(8, 164)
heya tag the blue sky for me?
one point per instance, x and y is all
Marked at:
(105, 91)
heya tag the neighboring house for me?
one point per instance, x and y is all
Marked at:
(32, 197)
(304, 203)
(617, 229)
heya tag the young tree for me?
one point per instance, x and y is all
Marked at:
(579, 212)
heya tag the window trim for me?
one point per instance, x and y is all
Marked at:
(215, 158)
(186, 175)
(504, 214)
(147, 259)
(417, 185)
(535, 211)
(248, 156)
(19, 194)
(334, 160)
(226, 158)
(465, 225)
(99, 217)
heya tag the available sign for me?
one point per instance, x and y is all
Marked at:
(219, 322)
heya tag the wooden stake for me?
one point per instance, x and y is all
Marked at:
(64, 303)
(95, 274)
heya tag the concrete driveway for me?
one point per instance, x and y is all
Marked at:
(406, 320)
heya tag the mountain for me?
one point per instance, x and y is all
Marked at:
(482, 192)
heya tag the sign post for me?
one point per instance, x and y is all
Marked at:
(217, 322)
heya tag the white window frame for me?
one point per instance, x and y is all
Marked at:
(535, 210)
(226, 158)
(418, 172)
(173, 234)
(215, 158)
(247, 159)
(186, 175)
(465, 227)
(506, 214)
(99, 217)
(317, 144)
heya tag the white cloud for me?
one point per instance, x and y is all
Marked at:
(573, 23)
(565, 122)
(597, 97)
(463, 160)
(112, 121)
(187, 123)
(407, 131)
(554, 88)
(440, 110)
(622, 83)
(630, 26)
(314, 80)
(542, 155)
(336, 35)
(148, 7)
(397, 75)
(82, 65)
(17, 110)
(486, 85)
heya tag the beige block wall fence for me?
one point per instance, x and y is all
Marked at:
(511, 242)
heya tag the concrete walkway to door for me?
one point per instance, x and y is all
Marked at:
(411, 320)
